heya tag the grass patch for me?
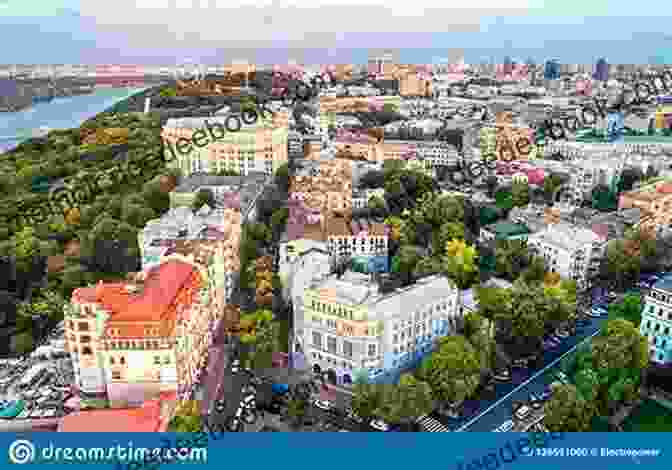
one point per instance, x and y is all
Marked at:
(649, 417)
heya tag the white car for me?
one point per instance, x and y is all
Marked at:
(235, 366)
(523, 412)
(506, 426)
(379, 425)
(323, 405)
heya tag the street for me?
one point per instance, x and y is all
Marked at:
(484, 415)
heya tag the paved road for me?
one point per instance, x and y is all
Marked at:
(489, 412)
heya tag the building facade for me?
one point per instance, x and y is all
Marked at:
(354, 329)
(131, 341)
(572, 252)
(657, 322)
(250, 149)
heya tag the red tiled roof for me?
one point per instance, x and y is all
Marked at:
(143, 419)
(161, 286)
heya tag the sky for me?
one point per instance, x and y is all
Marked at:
(210, 32)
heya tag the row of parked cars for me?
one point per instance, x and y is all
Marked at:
(350, 415)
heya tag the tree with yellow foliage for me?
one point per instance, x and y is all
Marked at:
(460, 263)
(73, 216)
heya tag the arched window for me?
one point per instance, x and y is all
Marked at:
(86, 350)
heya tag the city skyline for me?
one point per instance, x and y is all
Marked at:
(157, 33)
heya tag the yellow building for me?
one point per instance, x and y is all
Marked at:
(260, 148)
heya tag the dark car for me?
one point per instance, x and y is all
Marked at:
(267, 428)
(274, 407)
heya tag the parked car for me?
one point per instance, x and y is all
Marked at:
(562, 334)
(379, 425)
(506, 426)
(595, 313)
(323, 405)
(352, 416)
(546, 394)
(523, 412)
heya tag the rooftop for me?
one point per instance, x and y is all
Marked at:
(162, 283)
(359, 289)
(198, 180)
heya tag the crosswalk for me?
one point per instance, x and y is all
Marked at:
(429, 424)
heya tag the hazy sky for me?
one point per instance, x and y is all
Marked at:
(328, 31)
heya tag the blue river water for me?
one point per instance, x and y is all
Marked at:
(61, 113)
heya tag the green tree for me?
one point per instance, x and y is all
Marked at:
(447, 232)
(155, 198)
(535, 270)
(23, 342)
(405, 402)
(281, 177)
(461, 263)
(376, 202)
(566, 411)
(203, 197)
(520, 193)
(494, 304)
(279, 217)
(428, 265)
(408, 259)
(296, 410)
(511, 257)
(137, 215)
(629, 309)
(453, 372)
(528, 313)
(551, 184)
(26, 246)
(366, 399)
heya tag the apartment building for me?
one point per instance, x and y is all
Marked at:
(573, 252)
(355, 328)
(326, 186)
(231, 192)
(130, 341)
(261, 148)
(221, 227)
(657, 321)
(355, 238)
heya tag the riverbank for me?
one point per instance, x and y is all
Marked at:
(60, 113)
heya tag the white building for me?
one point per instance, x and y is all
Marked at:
(572, 252)
(359, 238)
(353, 328)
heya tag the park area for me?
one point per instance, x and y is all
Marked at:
(649, 417)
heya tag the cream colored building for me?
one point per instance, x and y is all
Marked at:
(353, 328)
(260, 148)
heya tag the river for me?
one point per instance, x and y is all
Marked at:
(61, 113)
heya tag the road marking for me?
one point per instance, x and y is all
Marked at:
(524, 384)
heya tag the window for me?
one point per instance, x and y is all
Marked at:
(372, 350)
(111, 361)
(157, 360)
(662, 345)
(85, 339)
(86, 350)
(116, 375)
(657, 327)
(166, 360)
(331, 345)
(347, 348)
(317, 340)
(122, 360)
(395, 339)
(83, 326)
